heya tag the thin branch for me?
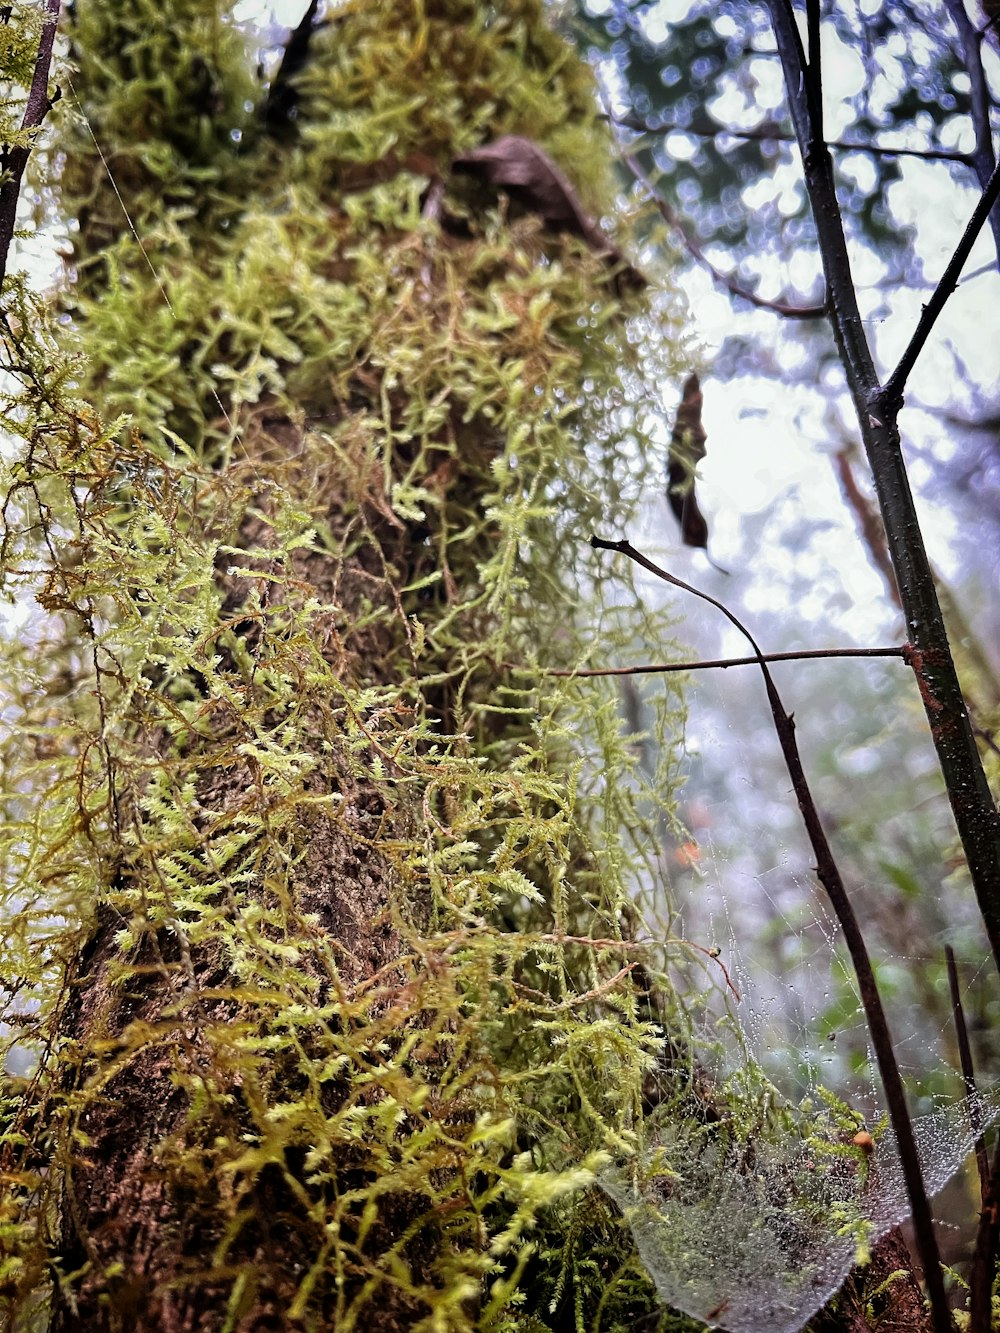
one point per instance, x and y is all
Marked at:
(877, 410)
(984, 1258)
(707, 129)
(723, 279)
(983, 159)
(968, 1072)
(978, 272)
(14, 157)
(528, 939)
(892, 394)
(869, 524)
(814, 82)
(829, 876)
(724, 662)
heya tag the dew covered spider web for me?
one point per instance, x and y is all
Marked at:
(753, 1227)
(764, 1242)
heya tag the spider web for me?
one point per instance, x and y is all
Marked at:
(760, 1246)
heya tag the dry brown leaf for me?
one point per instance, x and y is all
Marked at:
(526, 173)
(687, 449)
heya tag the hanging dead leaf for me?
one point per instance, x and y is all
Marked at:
(687, 449)
(527, 174)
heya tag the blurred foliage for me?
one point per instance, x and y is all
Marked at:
(697, 83)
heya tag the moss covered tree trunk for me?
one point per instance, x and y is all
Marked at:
(331, 412)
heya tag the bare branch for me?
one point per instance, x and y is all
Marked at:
(814, 81)
(869, 524)
(658, 668)
(707, 128)
(893, 392)
(723, 279)
(983, 159)
(14, 158)
(968, 1072)
(877, 411)
(829, 876)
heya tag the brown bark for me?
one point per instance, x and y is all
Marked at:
(141, 1222)
(898, 1309)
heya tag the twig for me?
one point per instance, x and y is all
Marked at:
(984, 1257)
(706, 129)
(527, 939)
(877, 410)
(14, 157)
(984, 159)
(892, 394)
(657, 668)
(723, 279)
(829, 876)
(869, 524)
(968, 1071)
(814, 81)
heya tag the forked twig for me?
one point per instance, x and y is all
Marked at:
(892, 393)
(829, 876)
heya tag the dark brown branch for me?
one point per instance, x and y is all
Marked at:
(711, 129)
(877, 409)
(282, 97)
(873, 535)
(829, 876)
(983, 159)
(814, 81)
(724, 662)
(892, 395)
(984, 1257)
(968, 1071)
(723, 279)
(14, 157)
(869, 524)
